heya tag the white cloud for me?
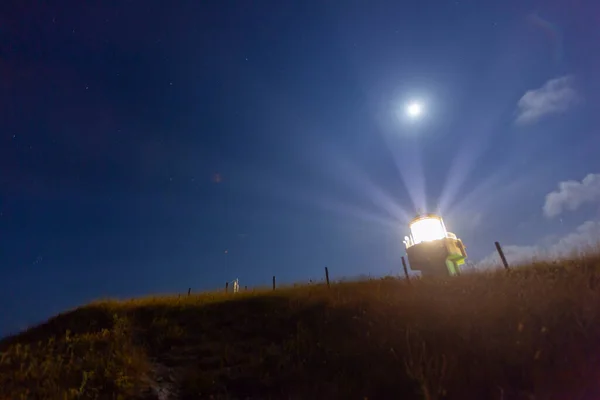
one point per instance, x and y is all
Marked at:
(586, 236)
(572, 194)
(555, 96)
(514, 255)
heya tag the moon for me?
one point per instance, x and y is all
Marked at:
(414, 110)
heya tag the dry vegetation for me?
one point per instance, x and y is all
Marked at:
(531, 333)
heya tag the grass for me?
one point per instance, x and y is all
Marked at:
(531, 333)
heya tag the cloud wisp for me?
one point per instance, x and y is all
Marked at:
(571, 195)
(555, 97)
(585, 237)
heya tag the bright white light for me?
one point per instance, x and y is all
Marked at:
(414, 110)
(426, 229)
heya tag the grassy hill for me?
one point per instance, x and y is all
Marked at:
(532, 333)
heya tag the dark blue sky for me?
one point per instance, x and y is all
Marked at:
(146, 147)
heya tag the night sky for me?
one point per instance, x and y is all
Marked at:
(149, 146)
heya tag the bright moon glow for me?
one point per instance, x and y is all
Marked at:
(414, 110)
(426, 229)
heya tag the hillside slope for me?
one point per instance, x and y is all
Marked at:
(531, 334)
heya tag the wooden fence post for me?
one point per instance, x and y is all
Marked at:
(327, 276)
(226, 286)
(273, 282)
(405, 269)
(501, 253)
(189, 291)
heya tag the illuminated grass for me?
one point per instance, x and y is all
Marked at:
(529, 333)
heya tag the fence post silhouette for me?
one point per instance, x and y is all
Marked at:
(226, 286)
(273, 282)
(327, 276)
(501, 253)
(189, 291)
(405, 269)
